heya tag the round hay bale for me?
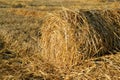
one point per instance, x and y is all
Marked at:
(68, 36)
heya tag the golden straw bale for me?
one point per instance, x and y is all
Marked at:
(71, 36)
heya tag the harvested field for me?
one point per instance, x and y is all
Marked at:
(28, 12)
(17, 36)
(42, 40)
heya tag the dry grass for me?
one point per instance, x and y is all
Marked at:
(28, 12)
(63, 45)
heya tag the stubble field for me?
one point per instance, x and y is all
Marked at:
(59, 40)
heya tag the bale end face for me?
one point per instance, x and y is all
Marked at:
(58, 42)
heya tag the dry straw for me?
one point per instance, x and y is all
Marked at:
(58, 41)
(95, 30)
(70, 36)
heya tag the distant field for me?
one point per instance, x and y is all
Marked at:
(48, 4)
(59, 40)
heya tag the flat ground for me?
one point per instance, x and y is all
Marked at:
(20, 22)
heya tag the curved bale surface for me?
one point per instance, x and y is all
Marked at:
(107, 24)
(96, 31)
(82, 33)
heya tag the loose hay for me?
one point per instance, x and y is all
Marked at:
(20, 34)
